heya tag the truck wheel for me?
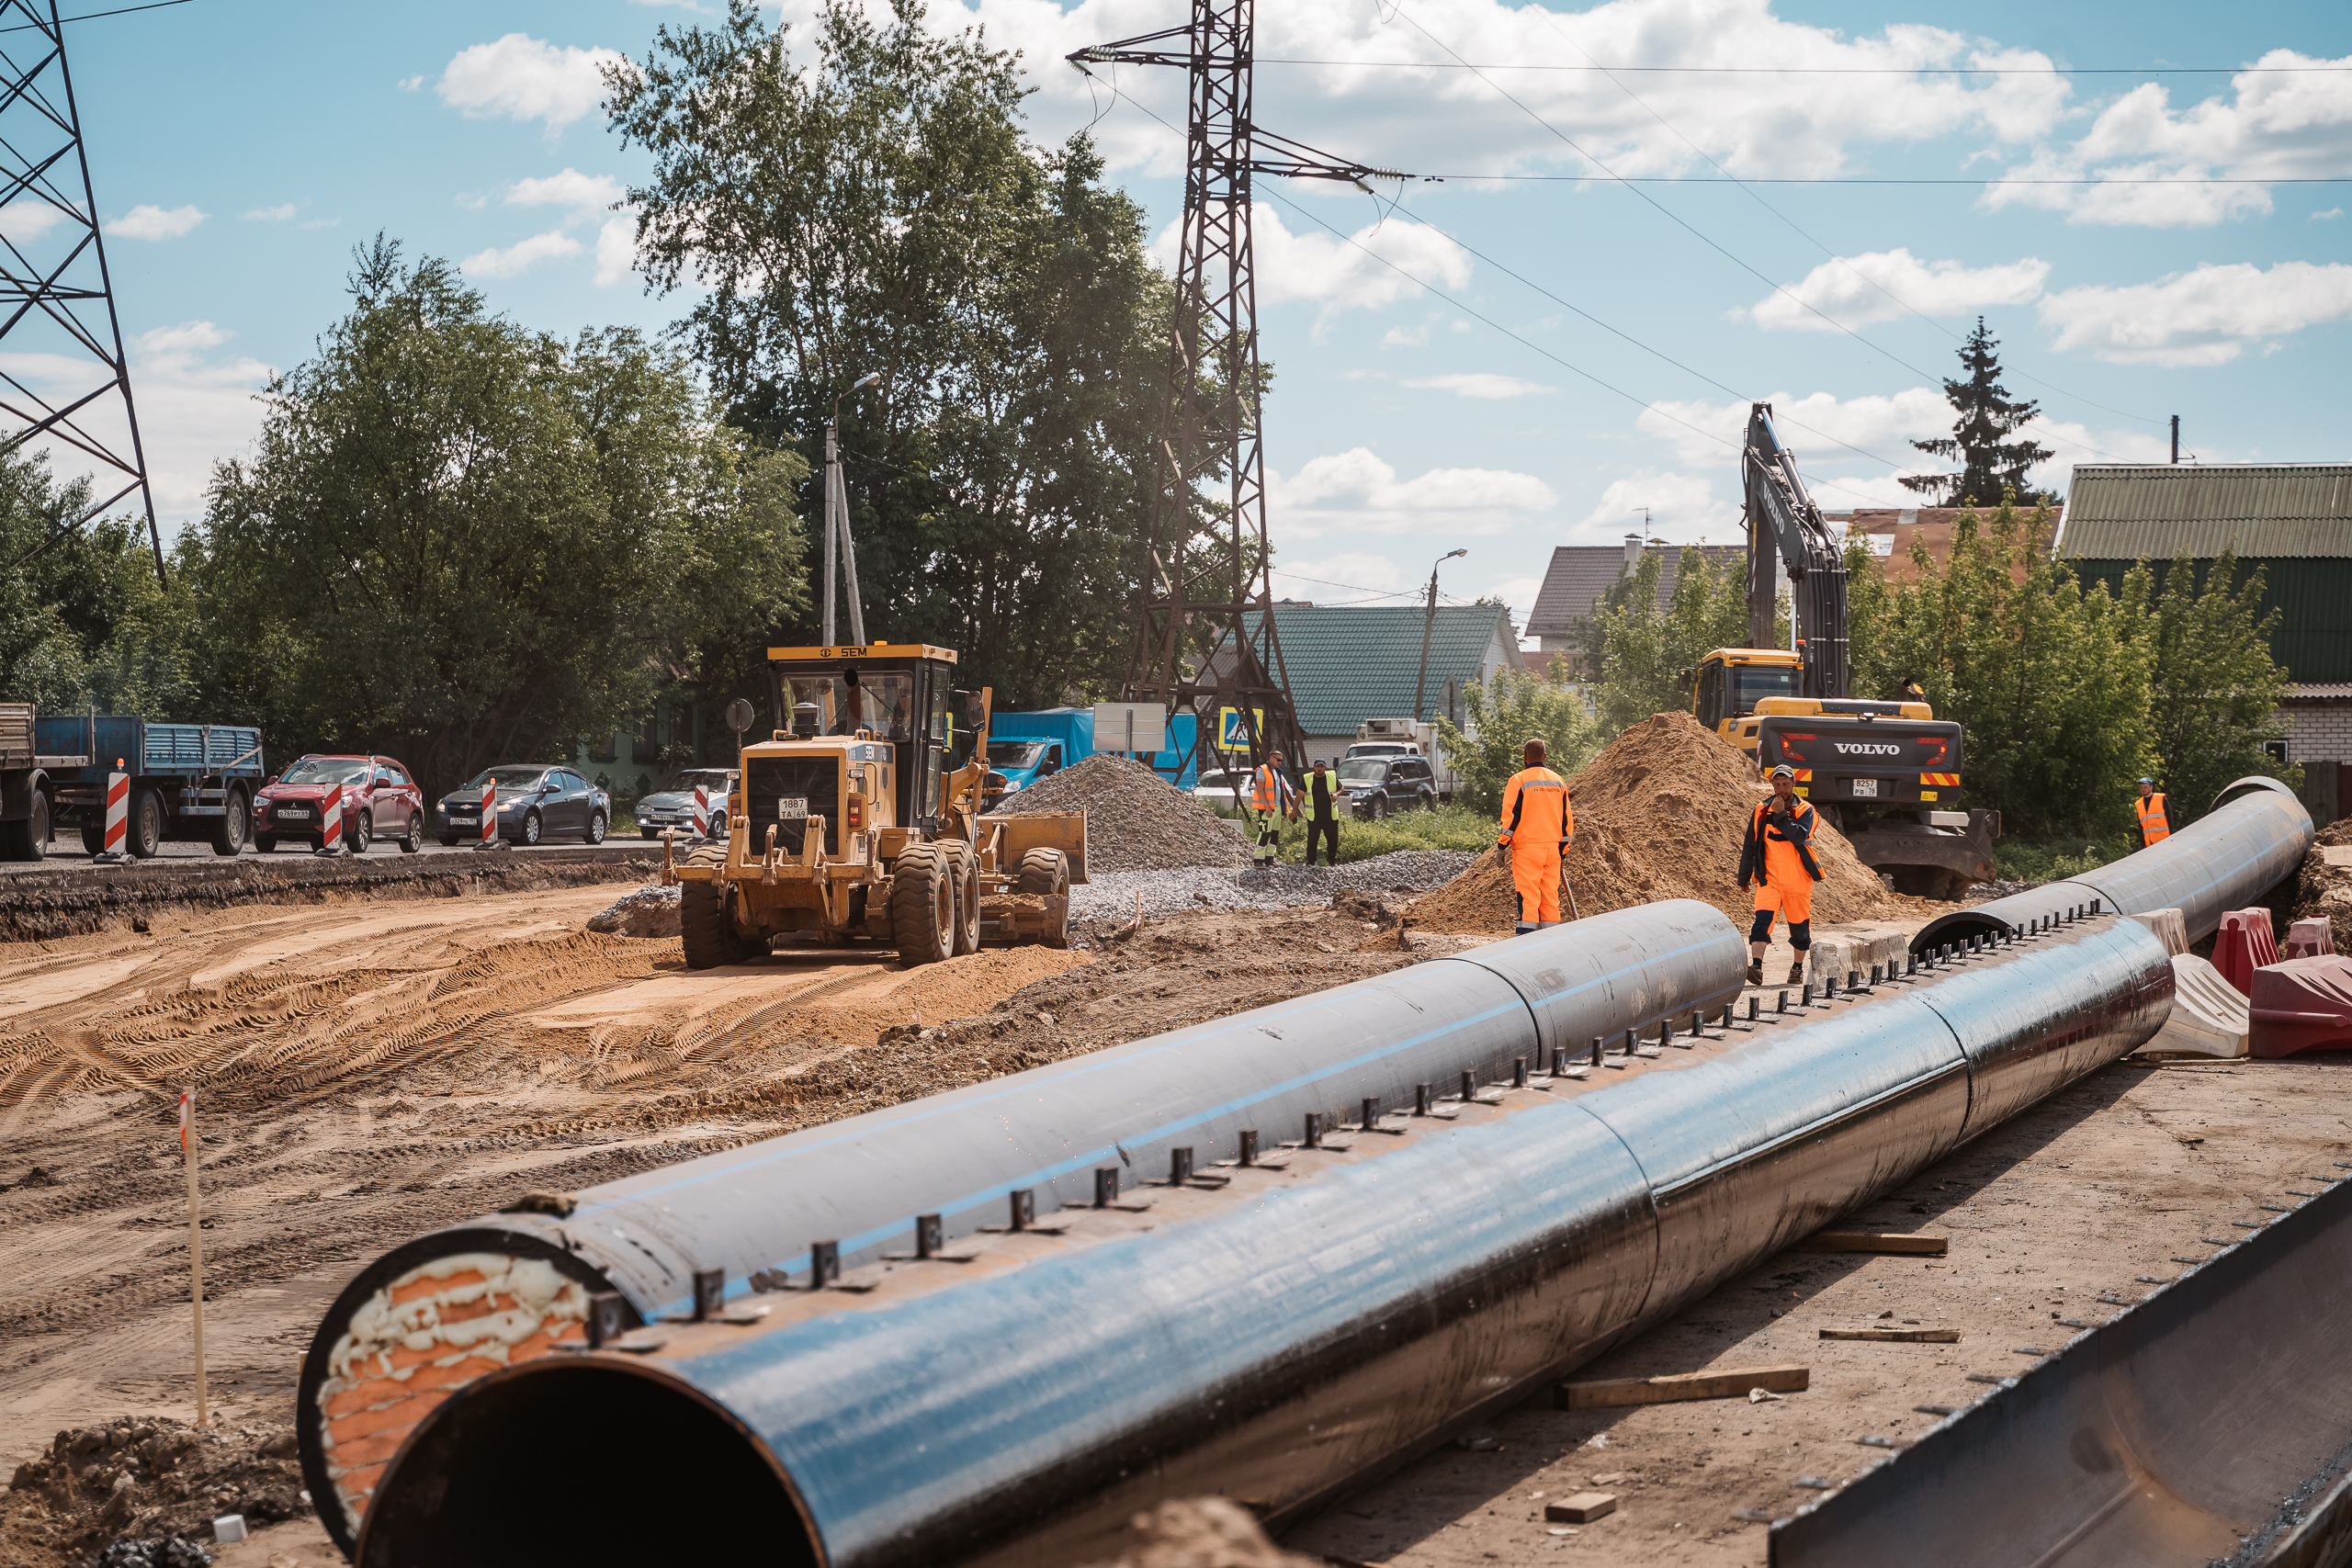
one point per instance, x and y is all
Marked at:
(28, 837)
(229, 833)
(94, 830)
(964, 867)
(143, 834)
(708, 934)
(1046, 873)
(923, 904)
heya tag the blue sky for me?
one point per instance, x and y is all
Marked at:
(240, 148)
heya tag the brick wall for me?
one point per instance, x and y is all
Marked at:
(2319, 731)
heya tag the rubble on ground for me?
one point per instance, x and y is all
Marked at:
(1201, 1532)
(2324, 891)
(145, 1491)
(1136, 820)
(1661, 814)
(647, 912)
(1112, 895)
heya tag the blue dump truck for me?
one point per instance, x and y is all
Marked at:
(1026, 747)
(190, 782)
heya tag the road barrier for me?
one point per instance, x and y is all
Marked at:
(118, 814)
(489, 813)
(702, 811)
(331, 822)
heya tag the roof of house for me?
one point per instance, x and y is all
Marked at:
(2158, 511)
(1351, 662)
(1581, 573)
(1892, 530)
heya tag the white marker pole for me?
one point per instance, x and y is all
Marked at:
(195, 1242)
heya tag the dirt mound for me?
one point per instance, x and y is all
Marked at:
(129, 1488)
(2338, 834)
(2324, 889)
(1660, 813)
(1201, 1532)
(1136, 820)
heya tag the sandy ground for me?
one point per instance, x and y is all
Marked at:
(2054, 1214)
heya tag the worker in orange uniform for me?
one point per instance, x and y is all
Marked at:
(2153, 829)
(1777, 859)
(1538, 824)
(1273, 797)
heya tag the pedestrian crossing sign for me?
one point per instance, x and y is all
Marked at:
(1231, 733)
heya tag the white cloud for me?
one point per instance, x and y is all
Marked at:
(1876, 286)
(1683, 509)
(2296, 122)
(282, 213)
(1316, 268)
(616, 250)
(1811, 426)
(147, 222)
(1355, 492)
(2324, 217)
(26, 220)
(2206, 317)
(571, 188)
(521, 78)
(411, 84)
(1481, 385)
(521, 256)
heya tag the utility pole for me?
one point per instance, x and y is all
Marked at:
(1193, 587)
(56, 295)
(2175, 438)
(1429, 624)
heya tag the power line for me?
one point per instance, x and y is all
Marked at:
(93, 16)
(1833, 70)
(1901, 180)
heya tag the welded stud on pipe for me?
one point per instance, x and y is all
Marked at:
(931, 1232)
(1021, 1207)
(1597, 1048)
(1808, 993)
(1179, 1167)
(1469, 1087)
(1519, 1072)
(1106, 1186)
(1784, 1003)
(1420, 1100)
(1371, 1115)
(1249, 1146)
(1632, 1038)
(824, 1264)
(1752, 1008)
(710, 1293)
(1314, 1137)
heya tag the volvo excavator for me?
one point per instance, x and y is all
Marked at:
(1886, 774)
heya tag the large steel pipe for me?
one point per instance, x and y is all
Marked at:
(456, 1303)
(1274, 1338)
(2254, 838)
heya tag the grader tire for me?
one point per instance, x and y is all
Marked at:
(966, 872)
(923, 904)
(709, 935)
(1046, 873)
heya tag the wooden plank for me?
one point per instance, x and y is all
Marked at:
(1897, 1335)
(1603, 1393)
(1876, 1241)
(1582, 1508)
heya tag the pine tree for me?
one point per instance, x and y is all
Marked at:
(1992, 466)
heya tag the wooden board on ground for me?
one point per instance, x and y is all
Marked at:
(1897, 1335)
(1582, 1508)
(1876, 1241)
(1603, 1393)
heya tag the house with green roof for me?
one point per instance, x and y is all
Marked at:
(1351, 662)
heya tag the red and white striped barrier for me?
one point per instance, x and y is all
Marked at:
(331, 822)
(489, 811)
(702, 811)
(118, 814)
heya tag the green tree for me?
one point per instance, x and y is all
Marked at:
(1645, 652)
(2213, 688)
(1992, 464)
(1501, 713)
(870, 206)
(464, 542)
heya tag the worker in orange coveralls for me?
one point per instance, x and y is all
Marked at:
(1538, 823)
(1777, 860)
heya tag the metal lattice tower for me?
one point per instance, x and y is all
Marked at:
(1190, 588)
(64, 383)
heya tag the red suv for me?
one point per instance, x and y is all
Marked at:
(378, 799)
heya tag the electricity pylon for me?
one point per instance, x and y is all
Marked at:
(1212, 399)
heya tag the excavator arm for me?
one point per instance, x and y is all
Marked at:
(1782, 519)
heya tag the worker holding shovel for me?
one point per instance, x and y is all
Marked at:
(1538, 825)
(1777, 860)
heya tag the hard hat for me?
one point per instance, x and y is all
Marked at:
(1784, 772)
(2151, 783)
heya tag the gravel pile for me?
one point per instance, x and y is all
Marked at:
(1110, 896)
(1136, 820)
(647, 912)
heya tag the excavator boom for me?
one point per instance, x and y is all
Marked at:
(1783, 521)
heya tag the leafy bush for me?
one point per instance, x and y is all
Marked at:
(1502, 713)
(1447, 828)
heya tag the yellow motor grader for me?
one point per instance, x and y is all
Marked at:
(859, 819)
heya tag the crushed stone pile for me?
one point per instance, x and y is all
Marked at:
(1136, 820)
(1113, 894)
(647, 912)
(1660, 813)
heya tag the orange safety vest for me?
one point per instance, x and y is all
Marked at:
(1536, 803)
(1269, 789)
(2153, 829)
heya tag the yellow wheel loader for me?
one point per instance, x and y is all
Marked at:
(859, 819)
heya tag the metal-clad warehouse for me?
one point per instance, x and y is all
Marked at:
(2292, 519)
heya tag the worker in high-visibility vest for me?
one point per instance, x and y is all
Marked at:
(2153, 829)
(1777, 859)
(1271, 798)
(1538, 824)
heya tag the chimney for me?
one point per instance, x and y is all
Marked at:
(1633, 553)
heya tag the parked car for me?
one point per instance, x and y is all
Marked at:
(536, 802)
(672, 806)
(379, 800)
(1216, 786)
(1378, 785)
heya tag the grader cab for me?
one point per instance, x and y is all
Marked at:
(859, 819)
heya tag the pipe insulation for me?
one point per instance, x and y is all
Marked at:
(2254, 838)
(1276, 1333)
(506, 1288)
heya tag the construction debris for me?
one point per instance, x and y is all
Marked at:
(1660, 813)
(1202, 1532)
(146, 1492)
(647, 912)
(1136, 820)
(2324, 890)
(1733, 1382)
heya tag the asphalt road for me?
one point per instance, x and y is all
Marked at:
(65, 853)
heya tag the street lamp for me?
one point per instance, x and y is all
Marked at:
(1428, 623)
(837, 519)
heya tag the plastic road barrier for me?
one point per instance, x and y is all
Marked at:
(702, 811)
(118, 813)
(489, 812)
(331, 822)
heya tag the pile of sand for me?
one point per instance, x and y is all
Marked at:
(1136, 820)
(1660, 813)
